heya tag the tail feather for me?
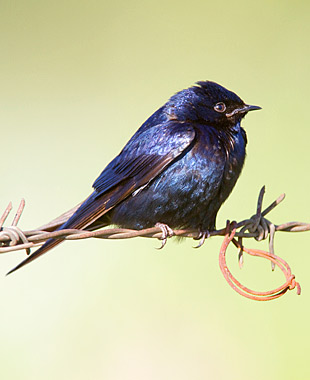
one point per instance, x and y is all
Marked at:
(87, 216)
(82, 218)
(49, 244)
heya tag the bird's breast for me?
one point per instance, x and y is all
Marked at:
(189, 192)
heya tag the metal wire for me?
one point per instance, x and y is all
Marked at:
(12, 238)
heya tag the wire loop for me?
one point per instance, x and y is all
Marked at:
(289, 284)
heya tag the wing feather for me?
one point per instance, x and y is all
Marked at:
(144, 157)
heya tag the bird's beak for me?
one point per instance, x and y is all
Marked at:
(245, 109)
(248, 108)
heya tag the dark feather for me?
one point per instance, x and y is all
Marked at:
(177, 169)
(123, 176)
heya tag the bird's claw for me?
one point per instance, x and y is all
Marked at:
(203, 235)
(166, 232)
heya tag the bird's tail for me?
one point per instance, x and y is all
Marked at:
(81, 219)
(90, 216)
(49, 244)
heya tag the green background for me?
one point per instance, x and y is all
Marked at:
(76, 80)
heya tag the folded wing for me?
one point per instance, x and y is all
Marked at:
(143, 158)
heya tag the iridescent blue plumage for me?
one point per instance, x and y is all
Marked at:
(191, 190)
(177, 169)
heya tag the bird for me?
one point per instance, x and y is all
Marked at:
(175, 171)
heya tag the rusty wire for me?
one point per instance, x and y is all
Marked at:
(12, 238)
(289, 284)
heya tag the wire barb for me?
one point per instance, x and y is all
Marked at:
(5, 214)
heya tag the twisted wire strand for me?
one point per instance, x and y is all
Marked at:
(12, 238)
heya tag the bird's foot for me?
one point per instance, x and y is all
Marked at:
(202, 236)
(166, 232)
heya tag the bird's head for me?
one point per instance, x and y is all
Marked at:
(210, 103)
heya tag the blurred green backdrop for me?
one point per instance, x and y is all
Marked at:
(77, 79)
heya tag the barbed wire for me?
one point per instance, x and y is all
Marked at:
(12, 238)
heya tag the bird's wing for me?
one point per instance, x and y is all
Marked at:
(144, 157)
(146, 154)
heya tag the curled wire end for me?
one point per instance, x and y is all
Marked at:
(294, 284)
(289, 284)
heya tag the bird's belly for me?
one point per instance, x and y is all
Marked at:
(184, 195)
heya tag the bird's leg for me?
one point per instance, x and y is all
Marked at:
(202, 236)
(166, 232)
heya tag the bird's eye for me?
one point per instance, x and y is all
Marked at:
(220, 107)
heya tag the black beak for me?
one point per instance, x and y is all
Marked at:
(244, 109)
(248, 108)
